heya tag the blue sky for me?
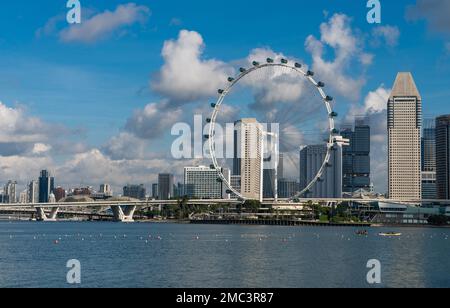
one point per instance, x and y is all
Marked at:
(88, 94)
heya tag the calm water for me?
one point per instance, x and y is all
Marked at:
(172, 255)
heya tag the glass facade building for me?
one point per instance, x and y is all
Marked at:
(165, 186)
(429, 190)
(356, 157)
(443, 157)
(46, 186)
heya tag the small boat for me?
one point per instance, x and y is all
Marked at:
(389, 234)
(362, 232)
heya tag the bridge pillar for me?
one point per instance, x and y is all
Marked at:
(42, 216)
(123, 213)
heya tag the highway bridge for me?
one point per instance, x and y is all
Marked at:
(123, 211)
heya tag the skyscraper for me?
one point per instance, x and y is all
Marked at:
(46, 186)
(10, 192)
(165, 186)
(429, 191)
(443, 157)
(155, 191)
(249, 149)
(404, 144)
(311, 160)
(269, 176)
(356, 157)
(202, 183)
(33, 192)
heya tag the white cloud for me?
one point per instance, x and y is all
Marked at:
(376, 101)
(338, 35)
(154, 121)
(185, 76)
(41, 148)
(17, 126)
(22, 169)
(272, 86)
(125, 146)
(94, 167)
(390, 34)
(105, 24)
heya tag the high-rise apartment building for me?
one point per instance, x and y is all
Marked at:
(10, 192)
(23, 197)
(443, 157)
(404, 139)
(33, 192)
(106, 190)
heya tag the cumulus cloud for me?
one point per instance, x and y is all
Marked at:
(338, 35)
(435, 12)
(154, 121)
(375, 102)
(21, 168)
(390, 34)
(125, 146)
(273, 86)
(94, 167)
(18, 127)
(105, 24)
(41, 148)
(185, 76)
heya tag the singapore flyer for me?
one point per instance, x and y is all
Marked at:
(286, 95)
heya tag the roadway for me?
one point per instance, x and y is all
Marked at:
(268, 202)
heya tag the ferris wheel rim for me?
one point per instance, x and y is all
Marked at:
(232, 82)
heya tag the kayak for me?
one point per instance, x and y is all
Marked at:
(390, 234)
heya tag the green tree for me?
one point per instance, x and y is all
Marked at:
(438, 220)
(252, 206)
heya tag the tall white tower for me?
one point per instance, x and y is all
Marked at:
(404, 145)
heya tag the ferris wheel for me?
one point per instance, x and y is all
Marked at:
(298, 77)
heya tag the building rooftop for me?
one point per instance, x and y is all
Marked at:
(405, 86)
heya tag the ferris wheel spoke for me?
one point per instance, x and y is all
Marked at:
(285, 94)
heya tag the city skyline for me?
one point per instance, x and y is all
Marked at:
(224, 152)
(92, 120)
